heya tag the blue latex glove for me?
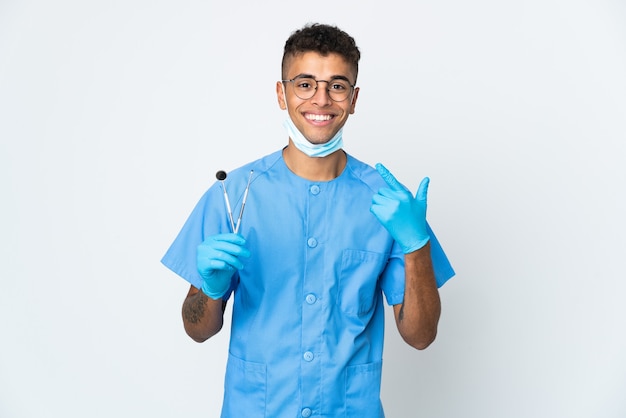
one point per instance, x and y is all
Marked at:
(217, 260)
(401, 214)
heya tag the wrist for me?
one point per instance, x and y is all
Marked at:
(416, 245)
(212, 293)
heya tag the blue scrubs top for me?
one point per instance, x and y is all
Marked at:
(308, 320)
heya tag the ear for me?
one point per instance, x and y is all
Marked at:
(354, 97)
(280, 95)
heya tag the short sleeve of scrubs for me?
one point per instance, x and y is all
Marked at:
(205, 220)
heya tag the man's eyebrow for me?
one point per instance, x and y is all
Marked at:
(335, 77)
(303, 76)
(341, 77)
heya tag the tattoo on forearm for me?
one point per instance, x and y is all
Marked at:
(193, 309)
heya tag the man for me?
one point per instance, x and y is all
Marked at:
(322, 238)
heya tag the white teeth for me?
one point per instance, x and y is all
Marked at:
(318, 117)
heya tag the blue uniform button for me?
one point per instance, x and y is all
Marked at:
(306, 412)
(310, 298)
(312, 242)
(315, 190)
(308, 356)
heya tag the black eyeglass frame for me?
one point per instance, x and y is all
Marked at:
(328, 83)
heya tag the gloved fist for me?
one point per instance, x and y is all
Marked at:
(217, 260)
(401, 214)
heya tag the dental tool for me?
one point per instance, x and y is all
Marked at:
(221, 176)
(243, 203)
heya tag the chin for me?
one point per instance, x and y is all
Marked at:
(319, 139)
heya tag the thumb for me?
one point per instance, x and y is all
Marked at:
(422, 191)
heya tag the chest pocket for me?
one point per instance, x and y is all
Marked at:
(358, 280)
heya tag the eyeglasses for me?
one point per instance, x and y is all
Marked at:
(338, 89)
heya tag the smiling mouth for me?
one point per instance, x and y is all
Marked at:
(318, 118)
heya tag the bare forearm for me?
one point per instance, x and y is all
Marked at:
(418, 315)
(203, 317)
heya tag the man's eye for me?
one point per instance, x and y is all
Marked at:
(305, 84)
(339, 85)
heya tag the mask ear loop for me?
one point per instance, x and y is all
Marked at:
(285, 96)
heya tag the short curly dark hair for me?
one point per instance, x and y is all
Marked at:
(323, 39)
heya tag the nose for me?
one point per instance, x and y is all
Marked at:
(321, 96)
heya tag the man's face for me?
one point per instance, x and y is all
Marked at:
(320, 117)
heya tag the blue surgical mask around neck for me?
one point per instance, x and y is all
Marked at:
(313, 150)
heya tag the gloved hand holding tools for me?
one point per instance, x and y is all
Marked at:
(217, 260)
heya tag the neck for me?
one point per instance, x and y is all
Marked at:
(314, 168)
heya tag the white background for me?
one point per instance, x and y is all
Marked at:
(115, 115)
